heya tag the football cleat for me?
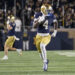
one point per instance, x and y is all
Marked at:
(19, 51)
(45, 66)
(5, 58)
(54, 33)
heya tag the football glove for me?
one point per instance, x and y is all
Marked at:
(16, 38)
(54, 33)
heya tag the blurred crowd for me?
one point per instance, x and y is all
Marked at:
(25, 10)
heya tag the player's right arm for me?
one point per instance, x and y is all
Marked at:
(37, 20)
(55, 27)
(35, 23)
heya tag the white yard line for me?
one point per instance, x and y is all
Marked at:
(68, 54)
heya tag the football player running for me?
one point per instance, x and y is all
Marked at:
(11, 38)
(42, 22)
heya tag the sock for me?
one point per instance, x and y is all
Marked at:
(43, 50)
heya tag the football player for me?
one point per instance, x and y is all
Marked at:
(42, 22)
(11, 38)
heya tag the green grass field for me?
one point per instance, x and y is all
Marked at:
(61, 63)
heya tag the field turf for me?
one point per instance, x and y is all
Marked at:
(61, 63)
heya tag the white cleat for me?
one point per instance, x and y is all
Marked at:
(45, 65)
(5, 58)
(19, 51)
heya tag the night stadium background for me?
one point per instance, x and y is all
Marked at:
(61, 50)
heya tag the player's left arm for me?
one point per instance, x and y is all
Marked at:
(55, 24)
(55, 28)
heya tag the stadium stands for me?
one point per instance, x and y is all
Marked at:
(64, 11)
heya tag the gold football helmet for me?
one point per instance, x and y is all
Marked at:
(12, 18)
(8, 17)
(46, 8)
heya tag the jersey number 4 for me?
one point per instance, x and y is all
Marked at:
(45, 24)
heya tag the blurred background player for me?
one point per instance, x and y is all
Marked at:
(42, 22)
(11, 37)
(25, 40)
